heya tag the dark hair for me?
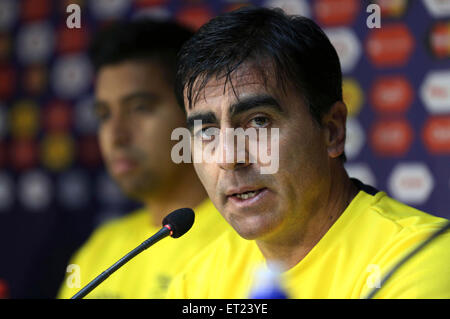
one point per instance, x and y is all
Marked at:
(142, 39)
(297, 49)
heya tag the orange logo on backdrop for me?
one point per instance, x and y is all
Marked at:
(23, 153)
(149, 3)
(336, 12)
(390, 46)
(439, 40)
(391, 94)
(89, 151)
(436, 134)
(194, 17)
(57, 116)
(35, 9)
(392, 9)
(72, 40)
(391, 137)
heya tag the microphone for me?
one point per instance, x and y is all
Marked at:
(176, 224)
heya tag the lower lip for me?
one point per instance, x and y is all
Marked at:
(255, 200)
(123, 167)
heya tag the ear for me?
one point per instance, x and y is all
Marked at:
(334, 124)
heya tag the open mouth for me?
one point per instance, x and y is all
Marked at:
(247, 195)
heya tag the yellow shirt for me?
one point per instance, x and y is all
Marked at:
(371, 236)
(148, 274)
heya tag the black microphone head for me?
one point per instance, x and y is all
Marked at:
(180, 221)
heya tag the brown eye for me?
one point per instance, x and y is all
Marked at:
(142, 108)
(259, 121)
(102, 114)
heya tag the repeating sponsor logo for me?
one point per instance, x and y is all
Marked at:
(35, 42)
(392, 9)
(57, 116)
(108, 191)
(8, 13)
(347, 46)
(435, 92)
(23, 154)
(6, 192)
(361, 171)
(108, 9)
(24, 119)
(296, 7)
(194, 17)
(355, 138)
(158, 13)
(74, 189)
(391, 94)
(35, 9)
(438, 8)
(439, 40)
(7, 81)
(5, 46)
(89, 151)
(71, 76)
(71, 40)
(391, 137)
(57, 151)
(85, 119)
(390, 45)
(35, 79)
(150, 3)
(436, 134)
(35, 190)
(411, 183)
(336, 12)
(352, 95)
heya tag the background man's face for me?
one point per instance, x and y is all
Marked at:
(278, 201)
(138, 111)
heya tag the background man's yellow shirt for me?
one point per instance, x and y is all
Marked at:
(149, 273)
(369, 238)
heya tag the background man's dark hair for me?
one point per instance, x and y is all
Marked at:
(297, 49)
(142, 39)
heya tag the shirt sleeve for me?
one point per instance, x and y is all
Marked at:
(425, 275)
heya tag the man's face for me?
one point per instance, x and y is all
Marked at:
(279, 201)
(137, 111)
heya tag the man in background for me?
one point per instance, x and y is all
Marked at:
(135, 65)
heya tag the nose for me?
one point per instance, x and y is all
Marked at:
(120, 130)
(233, 150)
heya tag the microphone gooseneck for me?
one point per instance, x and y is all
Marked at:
(176, 224)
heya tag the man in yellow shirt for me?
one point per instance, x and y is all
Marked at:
(137, 111)
(331, 236)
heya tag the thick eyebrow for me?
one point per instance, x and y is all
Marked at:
(206, 118)
(252, 102)
(126, 99)
(138, 95)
